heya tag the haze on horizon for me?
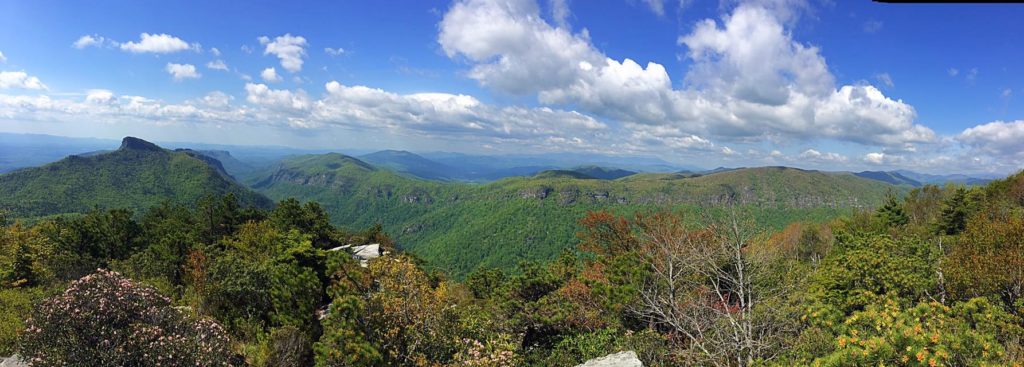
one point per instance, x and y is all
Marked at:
(810, 84)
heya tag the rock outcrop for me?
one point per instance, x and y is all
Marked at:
(12, 361)
(621, 359)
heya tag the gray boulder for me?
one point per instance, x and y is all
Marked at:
(620, 359)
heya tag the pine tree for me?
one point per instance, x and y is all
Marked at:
(892, 213)
(954, 213)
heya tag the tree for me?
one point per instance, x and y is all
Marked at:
(988, 261)
(105, 319)
(24, 256)
(955, 210)
(891, 213)
(865, 268)
(704, 287)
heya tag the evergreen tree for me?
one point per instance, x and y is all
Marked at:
(891, 213)
(955, 210)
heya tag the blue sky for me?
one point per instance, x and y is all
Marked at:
(814, 84)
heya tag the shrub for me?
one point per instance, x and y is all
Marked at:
(105, 319)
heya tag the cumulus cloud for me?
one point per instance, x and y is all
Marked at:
(215, 51)
(157, 43)
(443, 113)
(99, 96)
(270, 75)
(94, 40)
(182, 71)
(289, 49)
(748, 78)
(997, 138)
(816, 156)
(2, 57)
(20, 80)
(261, 94)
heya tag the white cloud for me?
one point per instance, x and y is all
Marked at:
(20, 80)
(2, 57)
(217, 65)
(182, 71)
(1006, 93)
(90, 40)
(270, 75)
(997, 138)
(442, 113)
(953, 71)
(157, 43)
(99, 96)
(819, 157)
(334, 51)
(748, 78)
(246, 49)
(217, 99)
(215, 51)
(260, 94)
(290, 49)
(874, 158)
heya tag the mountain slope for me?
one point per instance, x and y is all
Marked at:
(137, 175)
(603, 172)
(458, 226)
(943, 179)
(894, 178)
(406, 162)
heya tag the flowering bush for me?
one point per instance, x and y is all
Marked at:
(105, 319)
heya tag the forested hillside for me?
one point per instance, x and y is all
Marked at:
(138, 175)
(459, 226)
(930, 279)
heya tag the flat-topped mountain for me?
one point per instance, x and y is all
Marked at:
(137, 175)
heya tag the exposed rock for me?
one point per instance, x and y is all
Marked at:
(133, 143)
(621, 359)
(12, 361)
(363, 253)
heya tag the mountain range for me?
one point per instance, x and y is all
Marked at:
(454, 211)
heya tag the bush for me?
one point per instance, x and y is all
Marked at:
(105, 319)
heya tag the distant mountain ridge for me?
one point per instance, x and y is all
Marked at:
(137, 175)
(407, 162)
(603, 173)
(893, 177)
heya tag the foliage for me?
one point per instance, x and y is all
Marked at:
(891, 212)
(988, 260)
(929, 334)
(457, 227)
(129, 178)
(865, 268)
(104, 319)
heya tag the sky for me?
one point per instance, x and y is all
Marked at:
(820, 84)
